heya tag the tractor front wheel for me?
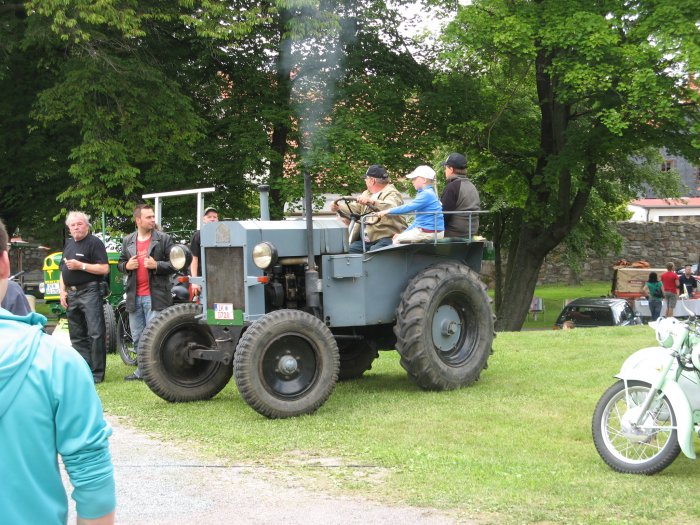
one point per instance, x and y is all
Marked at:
(286, 364)
(165, 358)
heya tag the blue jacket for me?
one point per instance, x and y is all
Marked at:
(426, 201)
(48, 405)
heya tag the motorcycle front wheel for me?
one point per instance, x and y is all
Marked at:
(624, 445)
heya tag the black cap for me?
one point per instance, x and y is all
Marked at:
(210, 208)
(377, 171)
(455, 160)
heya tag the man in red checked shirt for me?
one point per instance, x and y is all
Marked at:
(145, 261)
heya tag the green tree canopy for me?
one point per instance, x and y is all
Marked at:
(574, 94)
(151, 96)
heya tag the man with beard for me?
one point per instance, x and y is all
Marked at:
(145, 261)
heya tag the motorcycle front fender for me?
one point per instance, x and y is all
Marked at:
(647, 359)
(647, 371)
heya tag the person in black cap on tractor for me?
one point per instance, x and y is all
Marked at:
(381, 195)
(210, 215)
(459, 195)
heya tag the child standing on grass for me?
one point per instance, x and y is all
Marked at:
(430, 222)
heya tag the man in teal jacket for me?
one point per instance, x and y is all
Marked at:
(48, 406)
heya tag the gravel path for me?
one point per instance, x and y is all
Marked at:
(159, 483)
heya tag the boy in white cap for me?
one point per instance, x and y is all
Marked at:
(429, 222)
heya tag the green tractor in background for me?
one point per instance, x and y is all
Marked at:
(111, 306)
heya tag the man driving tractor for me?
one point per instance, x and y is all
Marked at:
(379, 195)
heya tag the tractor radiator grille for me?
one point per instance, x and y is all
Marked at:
(225, 279)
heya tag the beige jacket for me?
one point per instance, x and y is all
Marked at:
(388, 225)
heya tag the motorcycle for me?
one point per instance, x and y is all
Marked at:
(643, 421)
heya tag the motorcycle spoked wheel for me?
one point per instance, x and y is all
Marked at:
(125, 343)
(646, 449)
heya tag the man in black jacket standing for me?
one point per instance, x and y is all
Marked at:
(145, 261)
(459, 195)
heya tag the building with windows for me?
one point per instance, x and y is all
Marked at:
(689, 173)
(686, 209)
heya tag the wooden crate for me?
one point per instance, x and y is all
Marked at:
(628, 282)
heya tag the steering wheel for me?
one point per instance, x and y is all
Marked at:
(346, 212)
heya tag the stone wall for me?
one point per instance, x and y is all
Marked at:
(656, 242)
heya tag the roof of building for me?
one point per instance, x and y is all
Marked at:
(685, 202)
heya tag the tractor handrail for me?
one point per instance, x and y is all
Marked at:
(470, 214)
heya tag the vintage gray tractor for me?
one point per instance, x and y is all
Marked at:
(288, 312)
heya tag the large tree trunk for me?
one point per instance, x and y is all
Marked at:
(280, 128)
(537, 237)
(524, 263)
(498, 260)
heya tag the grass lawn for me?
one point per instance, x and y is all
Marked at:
(43, 309)
(514, 448)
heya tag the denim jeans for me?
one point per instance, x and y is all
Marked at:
(138, 321)
(356, 246)
(655, 308)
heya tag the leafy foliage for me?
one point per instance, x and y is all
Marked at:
(559, 105)
(574, 96)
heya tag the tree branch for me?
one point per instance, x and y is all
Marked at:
(13, 8)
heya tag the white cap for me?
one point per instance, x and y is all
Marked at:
(422, 171)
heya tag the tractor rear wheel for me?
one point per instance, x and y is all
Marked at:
(165, 361)
(286, 364)
(444, 327)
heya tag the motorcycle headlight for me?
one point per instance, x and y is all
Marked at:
(264, 255)
(665, 329)
(180, 257)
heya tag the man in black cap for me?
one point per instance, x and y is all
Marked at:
(211, 214)
(459, 195)
(381, 195)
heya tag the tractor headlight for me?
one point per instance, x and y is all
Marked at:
(180, 257)
(264, 255)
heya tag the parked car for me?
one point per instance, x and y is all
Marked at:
(587, 312)
(693, 270)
